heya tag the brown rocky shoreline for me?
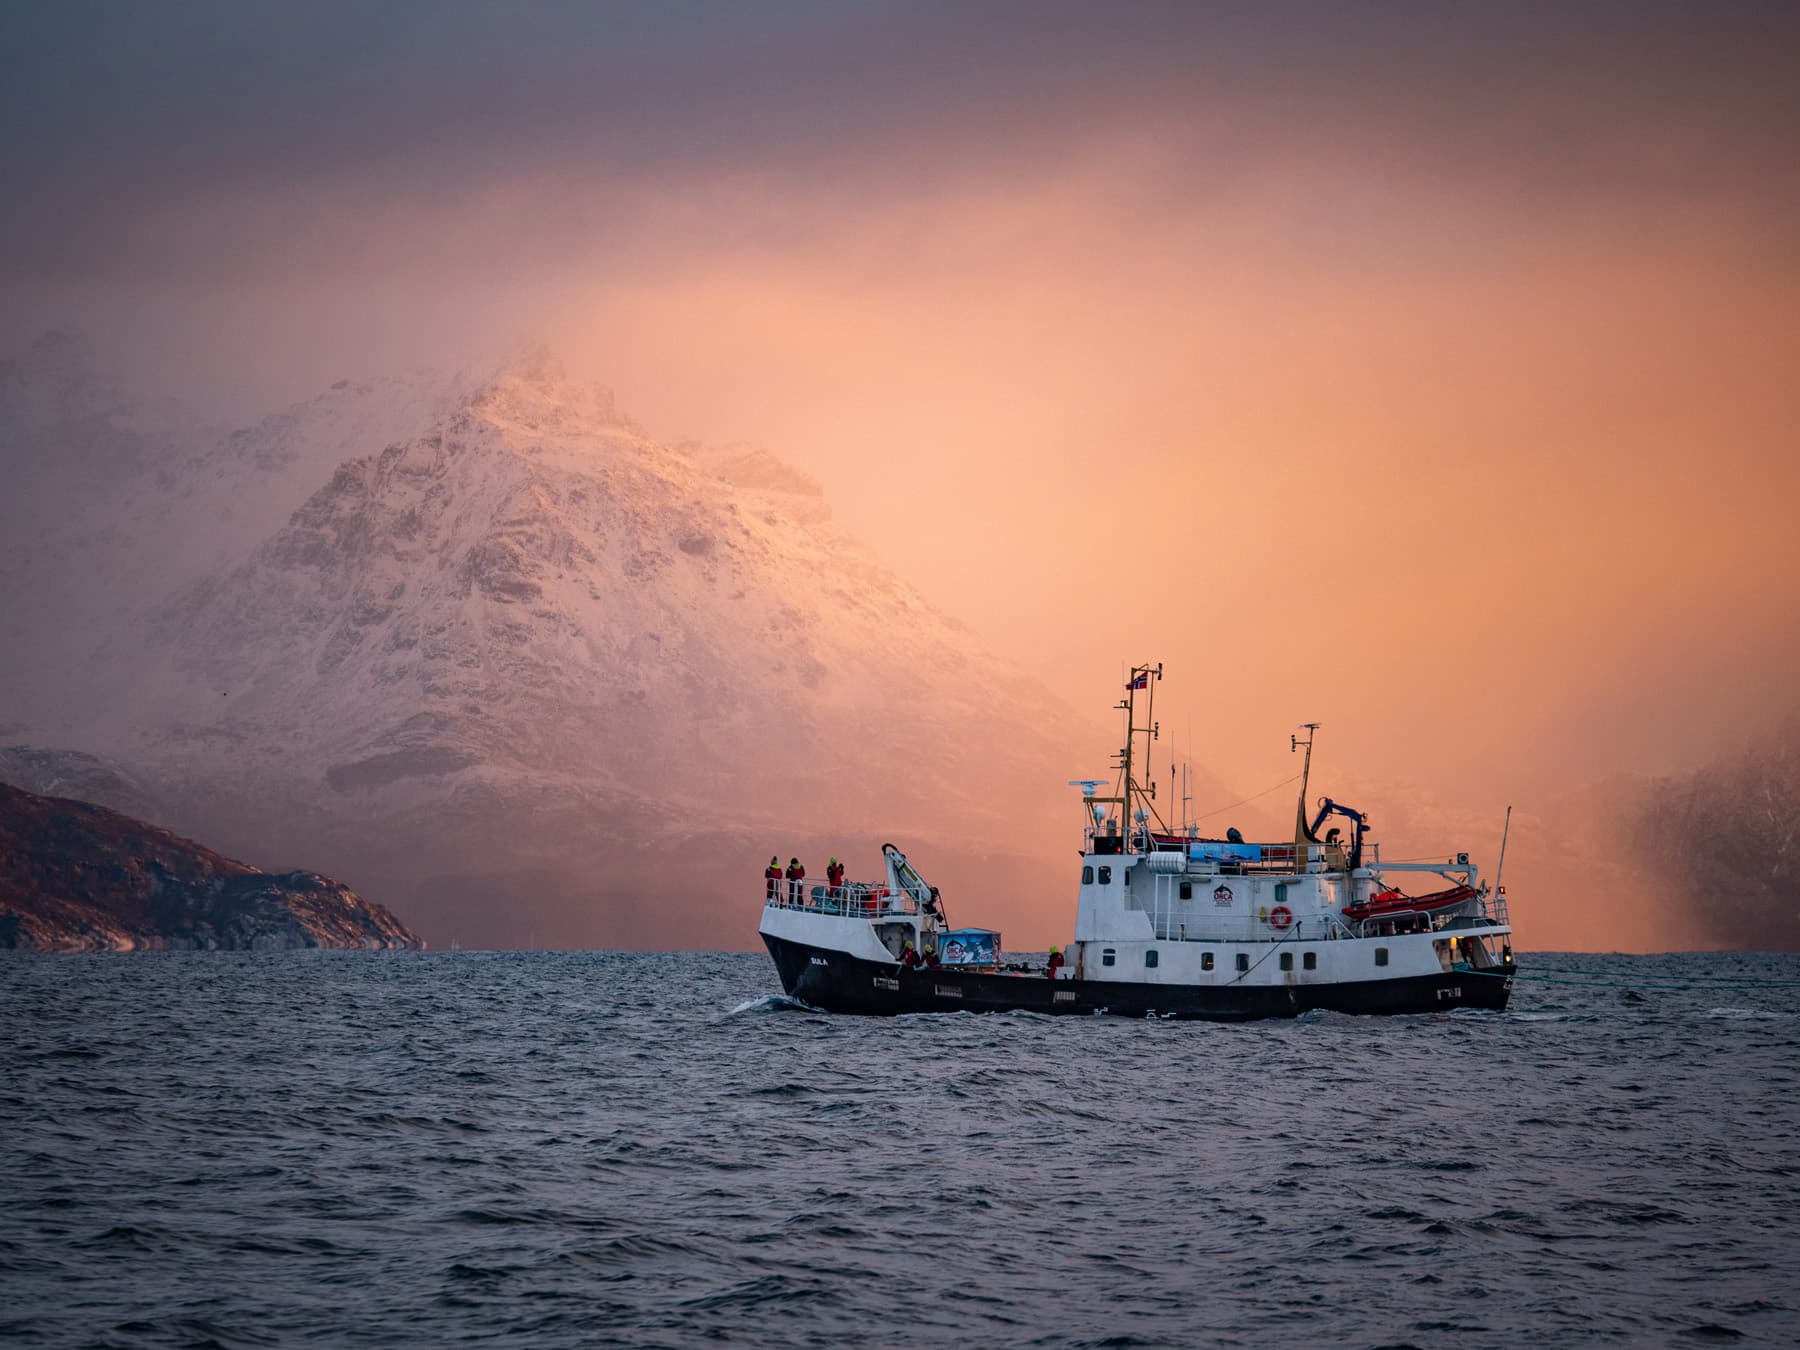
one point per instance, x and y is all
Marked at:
(75, 877)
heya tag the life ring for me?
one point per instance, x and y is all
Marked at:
(1280, 917)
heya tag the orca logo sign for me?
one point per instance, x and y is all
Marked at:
(1222, 895)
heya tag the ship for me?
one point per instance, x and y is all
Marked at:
(1168, 923)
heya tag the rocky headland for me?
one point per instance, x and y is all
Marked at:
(75, 877)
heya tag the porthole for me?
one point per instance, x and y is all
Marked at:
(1243, 962)
(1108, 956)
(1310, 961)
(1206, 960)
(1150, 957)
(1381, 956)
(1087, 876)
(1287, 960)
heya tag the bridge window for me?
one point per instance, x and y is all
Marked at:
(1105, 876)
(1243, 962)
(1206, 960)
(1087, 876)
(1287, 960)
(1187, 890)
(1381, 956)
(1150, 957)
(1310, 961)
(1108, 956)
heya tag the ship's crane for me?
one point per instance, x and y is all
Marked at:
(1360, 822)
(904, 879)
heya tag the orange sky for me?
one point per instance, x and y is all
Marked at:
(1481, 490)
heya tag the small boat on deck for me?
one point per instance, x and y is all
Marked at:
(1167, 923)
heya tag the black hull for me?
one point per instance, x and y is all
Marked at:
(847, 984)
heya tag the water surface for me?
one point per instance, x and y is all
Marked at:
(601, 1148)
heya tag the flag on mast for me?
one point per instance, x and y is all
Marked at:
(1141, 682)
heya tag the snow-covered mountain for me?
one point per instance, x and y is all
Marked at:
(493, 655)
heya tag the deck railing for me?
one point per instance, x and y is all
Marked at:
(1174, 927)
(858, 899)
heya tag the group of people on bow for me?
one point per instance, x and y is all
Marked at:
(795, 876)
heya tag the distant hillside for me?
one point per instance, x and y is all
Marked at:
(79, 878)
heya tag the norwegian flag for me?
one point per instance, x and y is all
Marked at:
(1141, 682)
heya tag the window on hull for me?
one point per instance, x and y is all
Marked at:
(1108, 956)
(1381, 956)
(1087, 875)
(1243, 962)
(1287, 960)
(1206, 960)
(1310, 961)
(1150, 958)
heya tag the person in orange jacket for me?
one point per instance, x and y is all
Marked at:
(1055, 963)
(795, 875)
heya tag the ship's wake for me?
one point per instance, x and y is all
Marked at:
(769, 1003)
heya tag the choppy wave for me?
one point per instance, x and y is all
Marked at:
(608, 1149)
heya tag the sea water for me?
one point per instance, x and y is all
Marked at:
(615, 1149)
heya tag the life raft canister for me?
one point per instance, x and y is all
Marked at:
(1280, 917)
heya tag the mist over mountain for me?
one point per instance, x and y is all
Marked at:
(487, 651)
(1725, 840)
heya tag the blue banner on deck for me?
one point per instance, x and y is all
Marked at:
(969, 947)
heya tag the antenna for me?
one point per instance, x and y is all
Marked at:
(1500, 869)
(1189, 825)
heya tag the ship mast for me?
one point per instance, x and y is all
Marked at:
(1130, 790)
(1302, 836)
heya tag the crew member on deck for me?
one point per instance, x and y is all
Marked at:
(910, 959)
(795, 875)
(834, 873)
(772, 873)
(1055, 963)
